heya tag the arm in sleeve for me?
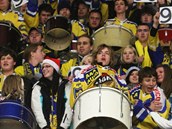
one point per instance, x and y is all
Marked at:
(162, 122)
(36, 105)
(67, 117)
(31, 16)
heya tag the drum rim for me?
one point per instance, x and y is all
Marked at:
(13, 27)
(97, 88)
(164, 29)
(112, 26)
(58, 29)
(54, 17)
(22, 106)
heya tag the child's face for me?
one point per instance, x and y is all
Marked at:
(148, 84)
(88, 61)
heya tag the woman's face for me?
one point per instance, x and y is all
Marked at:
(134, 78)
(47, 71)
(103, 56)
(128, 55)
(160, 73)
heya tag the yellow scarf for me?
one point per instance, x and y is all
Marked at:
(143, 51)
(2, 78)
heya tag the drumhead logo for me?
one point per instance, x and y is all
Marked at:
(103, 79)
(91, 75)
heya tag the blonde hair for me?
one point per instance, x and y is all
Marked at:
(85, 58)
(135, 53)
(13, 85)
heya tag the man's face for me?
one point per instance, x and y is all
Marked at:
(146, 18)
(83, 11)
(94, 20)
(44, 17)
(83, 46)
(143, 33)
(7, 63)
(120, 7)
(4, 5)
(65, 12)
(35, 37)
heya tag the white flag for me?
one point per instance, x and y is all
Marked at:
(18, 3)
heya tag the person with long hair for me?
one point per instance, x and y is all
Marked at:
(164, 73)
(99, 74)
(165, 78)
(18, 89)
(13, 88)
(128, 58)
(47, 101)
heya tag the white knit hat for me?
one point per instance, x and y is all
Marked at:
(55, 63)
(131, 69)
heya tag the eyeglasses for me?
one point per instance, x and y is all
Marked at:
(142, 30)
(46, 66)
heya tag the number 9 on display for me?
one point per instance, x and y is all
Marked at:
(165, 15)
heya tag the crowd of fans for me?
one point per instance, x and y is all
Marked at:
(49, 56)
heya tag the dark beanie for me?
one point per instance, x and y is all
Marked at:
(63, 4)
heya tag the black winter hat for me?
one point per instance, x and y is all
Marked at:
(63, 4)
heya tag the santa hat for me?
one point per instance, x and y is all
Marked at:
(55, 63)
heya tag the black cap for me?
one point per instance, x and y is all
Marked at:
(34, 28)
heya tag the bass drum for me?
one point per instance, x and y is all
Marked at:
(113, 35)
(16, 116)
(102, 108)
(57, 33)
(9, 36)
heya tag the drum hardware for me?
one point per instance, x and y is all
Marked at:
(100, 94)
(79, 116)
(74, 46)
(166, 33)
(131, 115)
(121, 104)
